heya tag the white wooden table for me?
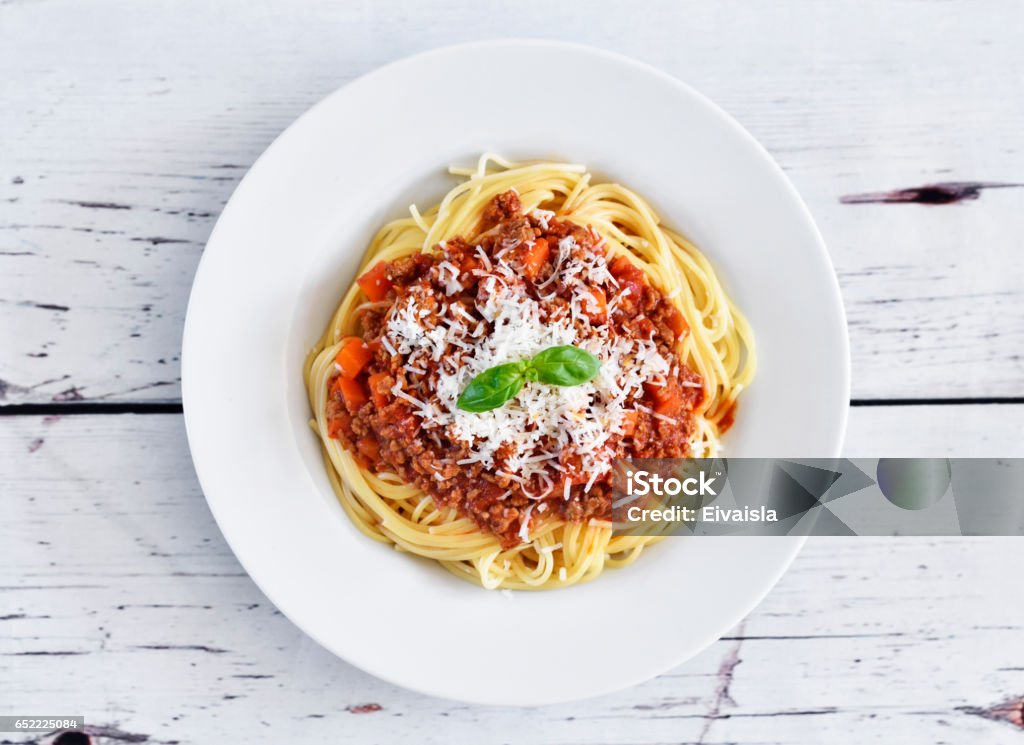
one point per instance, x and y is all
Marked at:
(124, 127)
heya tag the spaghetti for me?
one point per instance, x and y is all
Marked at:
(517, 259)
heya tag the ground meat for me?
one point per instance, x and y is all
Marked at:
(372, 318)
(404, 271)
(503, 207)
(386, 433)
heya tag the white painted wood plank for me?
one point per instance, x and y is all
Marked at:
(127, 125)
(119, 600)
(987, 431)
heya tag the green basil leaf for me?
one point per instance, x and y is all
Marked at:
(566, 365)
(492, 388)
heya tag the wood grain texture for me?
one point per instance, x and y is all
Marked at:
(126, 126)
(119, 600)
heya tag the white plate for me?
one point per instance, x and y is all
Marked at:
(286, 248)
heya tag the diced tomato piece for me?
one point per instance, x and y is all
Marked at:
(669, 404)
(369, 447)
(352, 391)
(628, 296)
(621, 267)
(534, 258)
(596, 305)
(353, 356)
(676, 322)
(375, 283)
(631, 284)
(378, 383)
(666, 399)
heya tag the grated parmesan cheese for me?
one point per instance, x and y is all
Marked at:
(525, 437)
(542, 217)
(524, 533)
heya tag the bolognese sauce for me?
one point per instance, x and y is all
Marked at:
(526, 282)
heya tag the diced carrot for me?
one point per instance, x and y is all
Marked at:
(353, 356)
(596, 306)
(377, 383)
(535, 257)
(334, 386)
(676, 322)
(353, 392)
(375, 283)
(667, 399)
(369, 447)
